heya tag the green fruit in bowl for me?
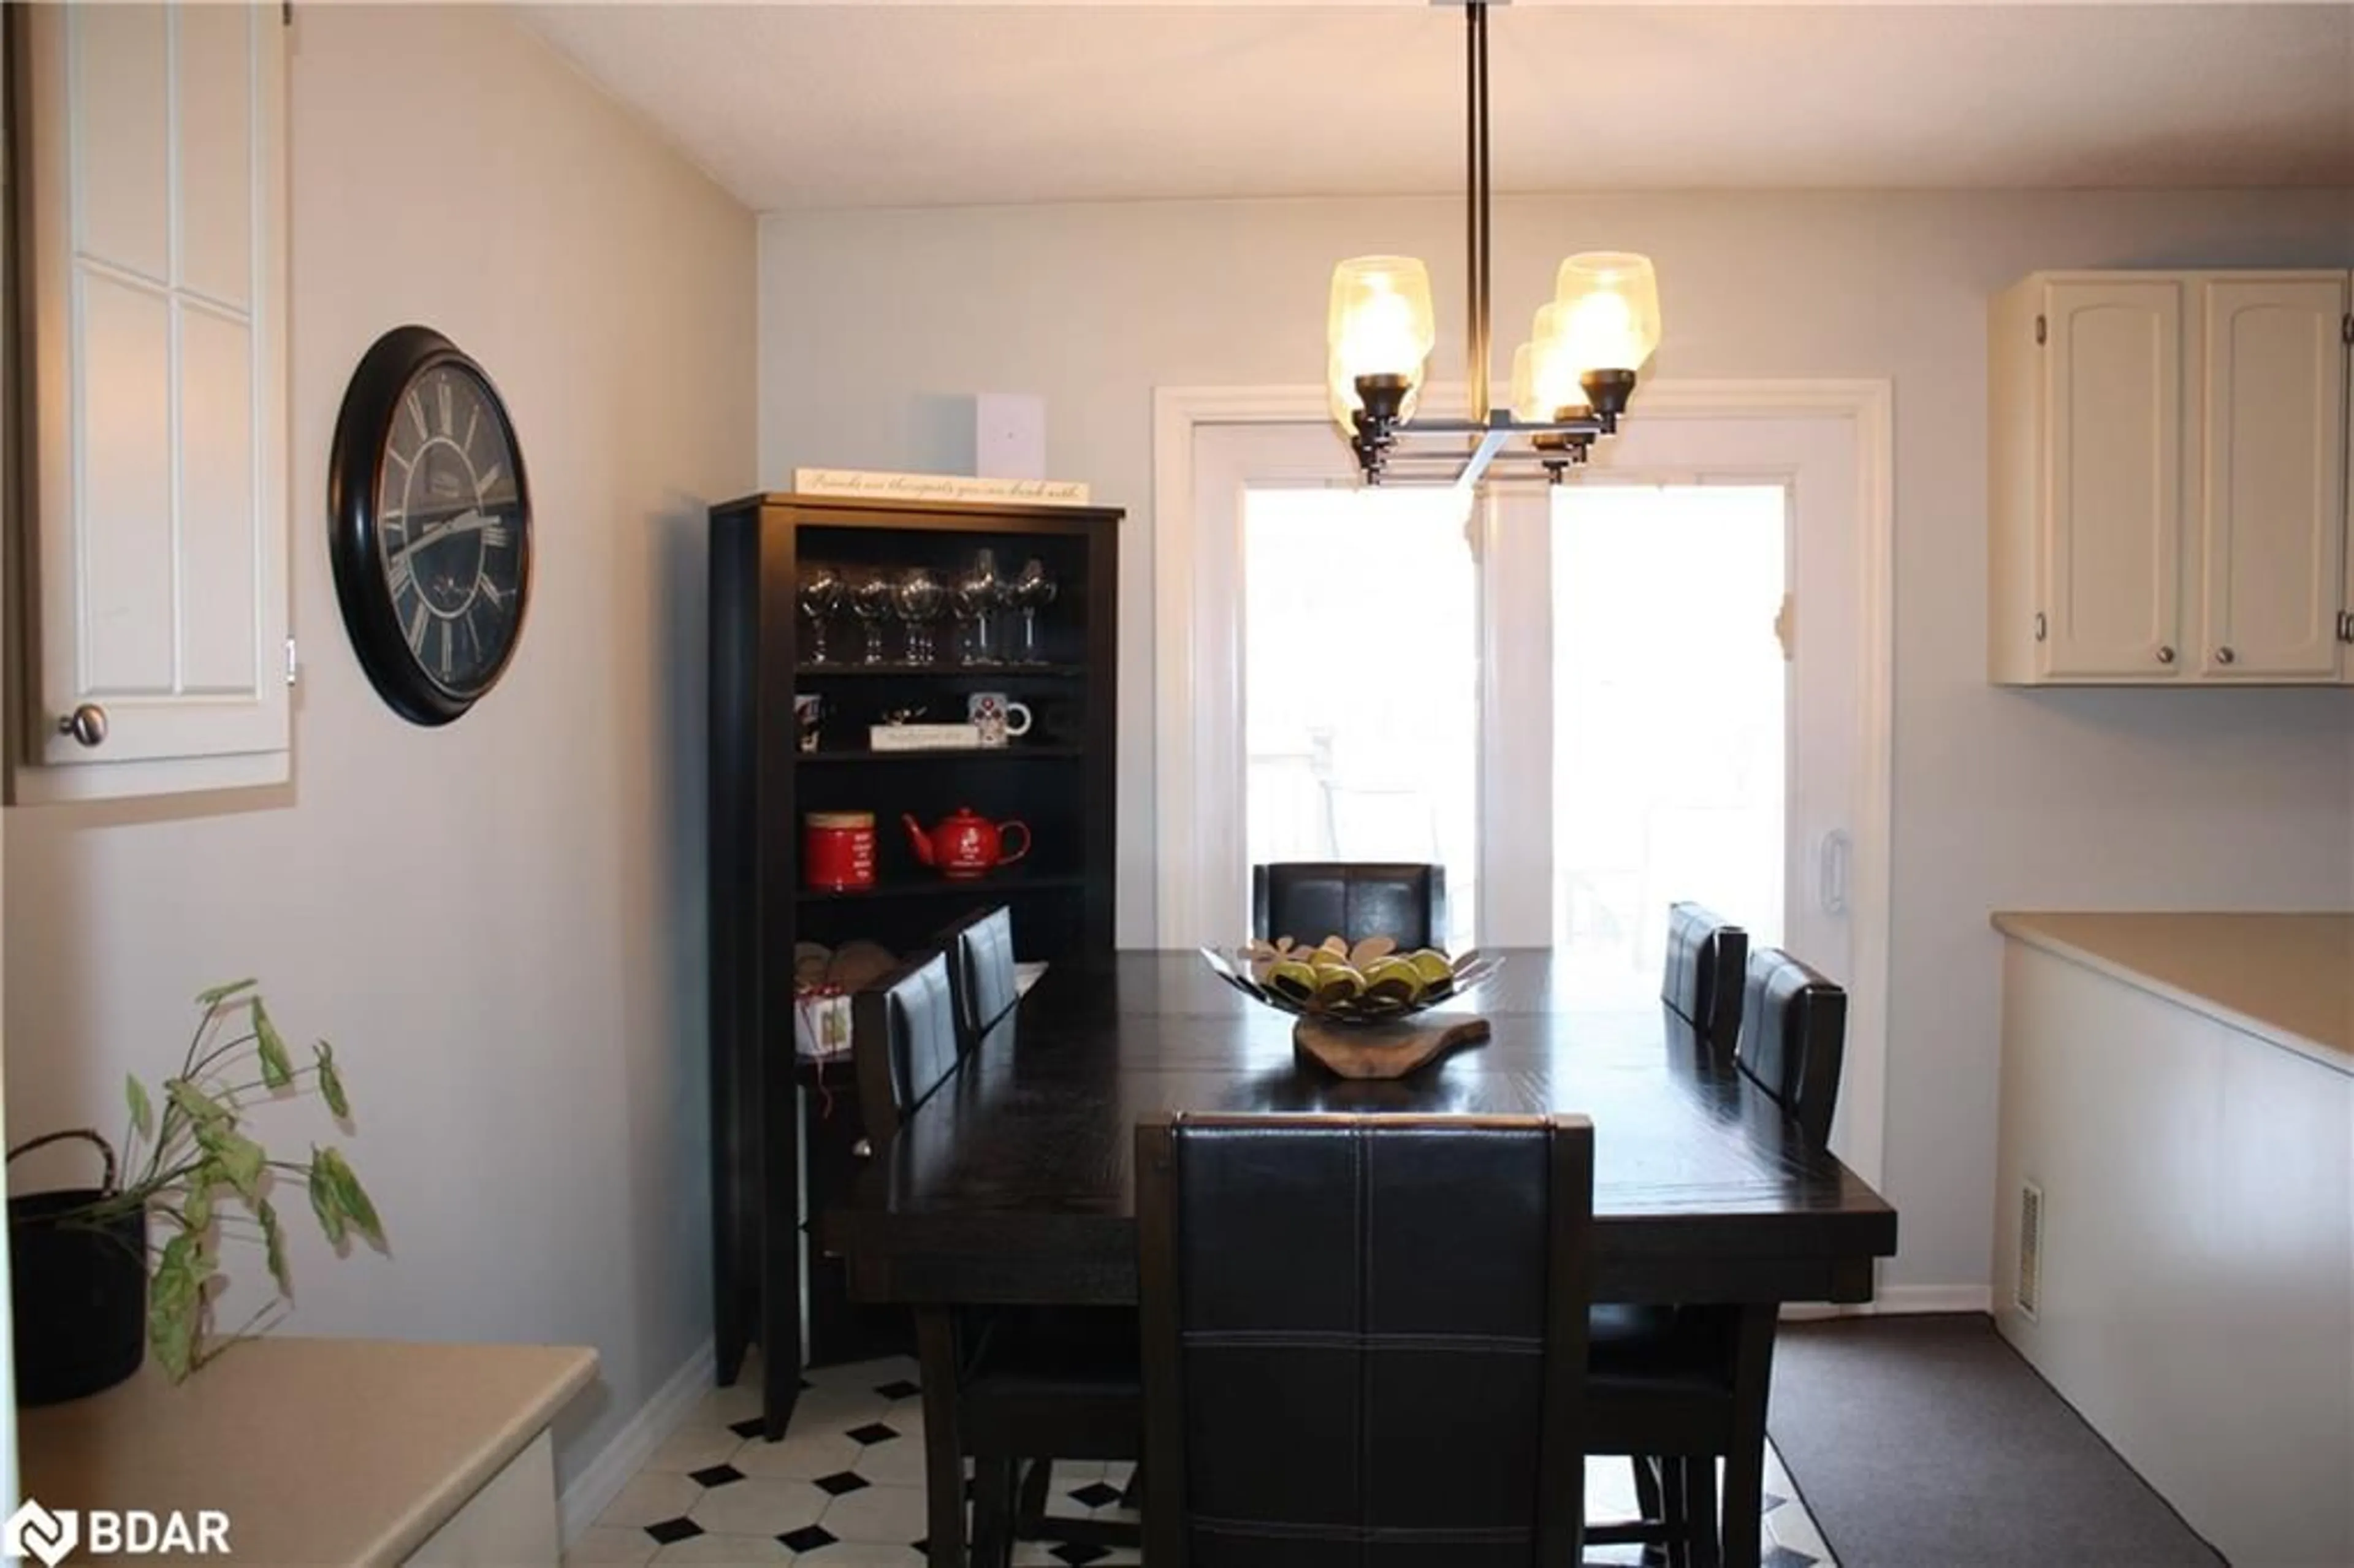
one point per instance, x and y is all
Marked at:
(1433, 965)
(1338, 983)
(1293, 978)
(1394, 979)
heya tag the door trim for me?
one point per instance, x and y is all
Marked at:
(1179, 413)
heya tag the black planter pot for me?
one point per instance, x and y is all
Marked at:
(78, 1291)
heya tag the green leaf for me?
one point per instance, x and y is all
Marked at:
(277, 1067)
(274, 1242)
(198, 1210)
(179, 1262)
(350, 1196)
(172, 1334)
(331, 1083)
(214, 996)
(199, 1107)
(143, 1114)
(241, 1161)
(322, 1201)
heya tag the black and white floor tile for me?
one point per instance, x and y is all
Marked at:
(845, 1490)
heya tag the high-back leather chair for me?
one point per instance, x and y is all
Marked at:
(979, 948)
(1311, 900)
(1706, 953)
(1681, 1388)
(1008, 1383)
(1793, 1039)
(1364, 1340)
(902, 1041)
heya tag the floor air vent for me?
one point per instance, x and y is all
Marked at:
(2031, 1248)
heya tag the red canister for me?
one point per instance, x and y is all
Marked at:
(838, 851)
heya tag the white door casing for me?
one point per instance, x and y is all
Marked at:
(1207, 443)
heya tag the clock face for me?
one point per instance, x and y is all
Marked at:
(448, 529)
(430, 525)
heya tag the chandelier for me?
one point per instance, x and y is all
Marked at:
(1570, 379)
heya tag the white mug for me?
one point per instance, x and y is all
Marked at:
(997, 716)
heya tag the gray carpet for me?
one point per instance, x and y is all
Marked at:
(1930, 1442)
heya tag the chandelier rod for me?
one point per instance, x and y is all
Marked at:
(1477, 229)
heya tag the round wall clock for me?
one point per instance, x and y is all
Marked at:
(430, 520)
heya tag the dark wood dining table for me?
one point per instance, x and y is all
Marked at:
(1015, 1184)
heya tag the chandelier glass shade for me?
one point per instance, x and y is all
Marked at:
(1587, 348)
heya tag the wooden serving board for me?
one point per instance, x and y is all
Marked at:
(1384, 1050)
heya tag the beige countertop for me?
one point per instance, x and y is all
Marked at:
(320, 1451)
(2288, 979)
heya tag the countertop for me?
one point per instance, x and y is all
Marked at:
(2288, 979)
(320, 1451)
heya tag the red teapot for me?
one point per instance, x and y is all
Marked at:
(966, 845)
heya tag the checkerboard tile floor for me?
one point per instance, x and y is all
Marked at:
(845, 1490)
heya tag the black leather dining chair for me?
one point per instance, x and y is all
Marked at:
(1311, 900)
(1364, 1340)
(902, 1041)
(1706, 955)
(1678, 1388)
(1001, 1385)
(1793, 1041)
(979, 946)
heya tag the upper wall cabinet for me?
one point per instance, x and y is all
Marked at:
(152, 222)
(2168, 478)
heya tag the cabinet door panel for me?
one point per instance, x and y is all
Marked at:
(154, 270)
(2112, 547)
(2272, 507)
(216, 147)
(122, 525)
(121, 64)
(219, 540)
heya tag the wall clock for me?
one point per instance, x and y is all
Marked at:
(430, 524)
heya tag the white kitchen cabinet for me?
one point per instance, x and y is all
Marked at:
(2166, 479)
(2272, 506)
(154, 266)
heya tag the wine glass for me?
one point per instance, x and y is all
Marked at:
(976, 597)
(820, 595)
(870, 601)
(1031, 590)
(919, 597)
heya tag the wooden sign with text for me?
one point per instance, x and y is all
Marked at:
(938, 487)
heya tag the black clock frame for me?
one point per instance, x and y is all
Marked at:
(354, 475)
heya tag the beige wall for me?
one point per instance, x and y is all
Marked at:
(875, 325)
(499, 923)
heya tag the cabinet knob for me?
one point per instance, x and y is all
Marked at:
(2166, 653)
(86, 724)
(862, 1150)
(2225, 656)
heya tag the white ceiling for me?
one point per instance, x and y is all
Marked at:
(801, 106)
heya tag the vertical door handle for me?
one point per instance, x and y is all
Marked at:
(1830, 872)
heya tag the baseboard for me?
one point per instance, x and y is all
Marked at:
(1901, 1300)
(595, 1488)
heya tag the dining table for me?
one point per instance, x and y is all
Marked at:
(1013, 1182)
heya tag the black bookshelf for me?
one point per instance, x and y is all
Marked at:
(775, 1117)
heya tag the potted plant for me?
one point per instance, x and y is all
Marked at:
(92, 1288)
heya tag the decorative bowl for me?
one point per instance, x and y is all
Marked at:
(1371, 982)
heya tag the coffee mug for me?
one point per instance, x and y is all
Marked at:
(997, 716)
